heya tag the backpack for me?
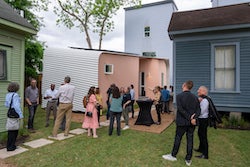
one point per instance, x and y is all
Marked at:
(85, 101)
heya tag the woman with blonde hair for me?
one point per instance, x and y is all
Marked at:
(98, 103)
(157, 103)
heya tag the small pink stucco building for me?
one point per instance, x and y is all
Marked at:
(102, 68)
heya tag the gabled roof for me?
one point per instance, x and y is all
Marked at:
(226, 17)
(8, 15)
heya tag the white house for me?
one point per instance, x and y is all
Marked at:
(146, 30)
(217, 3)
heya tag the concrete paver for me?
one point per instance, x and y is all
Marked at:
(78, 131)
(61, 136)
(38, 143)
(5, 154)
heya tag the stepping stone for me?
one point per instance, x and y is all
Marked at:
(61, 136)
(38, 143)
(106, 123)
(78, 131)
(5, 154)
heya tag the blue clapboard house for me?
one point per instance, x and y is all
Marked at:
(212, 48)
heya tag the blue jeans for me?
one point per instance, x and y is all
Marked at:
(32, 111)
(114, 115)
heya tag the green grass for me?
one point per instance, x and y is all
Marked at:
(132, 148)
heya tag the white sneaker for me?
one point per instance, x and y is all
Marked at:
(125, 127)
(169, 157)
(188, 162)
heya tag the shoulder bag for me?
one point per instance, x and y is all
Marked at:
(12, 124)
(12, 112)
(89, 114)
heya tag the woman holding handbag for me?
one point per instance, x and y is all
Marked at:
(91, 119)
(12, 100)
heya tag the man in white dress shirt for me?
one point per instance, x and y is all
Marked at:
(50, 95)
(203, 123)
(66, 96)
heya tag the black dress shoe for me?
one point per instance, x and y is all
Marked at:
(202, 156)
(197, 150)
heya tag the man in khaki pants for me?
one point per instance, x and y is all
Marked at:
(66, 96)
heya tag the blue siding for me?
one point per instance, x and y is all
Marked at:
(193, 62)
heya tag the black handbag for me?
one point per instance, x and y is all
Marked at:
(12, 112)
(89, 114)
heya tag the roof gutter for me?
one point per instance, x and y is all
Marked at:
(207, 29)
(18, 27)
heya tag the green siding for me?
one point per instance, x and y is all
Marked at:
(14, 44)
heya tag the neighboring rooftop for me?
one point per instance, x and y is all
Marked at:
(233, 16)
(7, 13)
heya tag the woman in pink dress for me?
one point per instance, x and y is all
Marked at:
(91, 122)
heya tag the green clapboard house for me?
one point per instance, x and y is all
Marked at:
(13, 30)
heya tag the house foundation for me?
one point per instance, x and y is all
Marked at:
(235, 115)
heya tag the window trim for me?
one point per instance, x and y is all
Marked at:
(237, 66)
(112, 69)
(4, 77)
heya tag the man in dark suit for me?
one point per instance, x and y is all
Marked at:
(188, 110)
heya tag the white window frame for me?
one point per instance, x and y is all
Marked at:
(3, 64)
(108, 72)
(237, 67)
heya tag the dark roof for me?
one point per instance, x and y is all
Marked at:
(9, 14)
(213, 17)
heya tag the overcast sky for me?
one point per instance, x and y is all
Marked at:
(60, 36)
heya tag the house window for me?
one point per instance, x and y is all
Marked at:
(108, 68)
(147, 31)
(3, 71)
(226, 67)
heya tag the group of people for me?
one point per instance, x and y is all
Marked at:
(60, 102)
(119, 103)
(191, 111)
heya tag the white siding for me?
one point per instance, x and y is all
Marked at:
(158, 18)
(80, 65)
(216, 3)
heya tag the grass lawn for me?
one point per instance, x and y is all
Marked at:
(132, 148)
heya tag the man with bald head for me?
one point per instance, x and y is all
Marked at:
(203, 122)
(50, 95)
